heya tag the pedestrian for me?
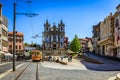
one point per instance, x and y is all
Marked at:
(42, 59)
(61, 58)
(54, 59)
(70, 58)
(50, 58)
(23, 58)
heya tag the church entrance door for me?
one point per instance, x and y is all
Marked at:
(54, 46)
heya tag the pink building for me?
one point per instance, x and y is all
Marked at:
(19, 43)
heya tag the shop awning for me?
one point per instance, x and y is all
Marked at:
(1, 52)
(7, 54)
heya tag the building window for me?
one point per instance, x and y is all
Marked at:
(61, 36)
(16, 47)
(20, 41)
(47, 44)
(61, 28)
(10, 46)
(61, 44)
(54, 37)
(4, 43)
(47, 28)
(47, 36)
(4, 33)
(19, 47)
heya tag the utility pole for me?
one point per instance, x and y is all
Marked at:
(14, 36)
(14, 30)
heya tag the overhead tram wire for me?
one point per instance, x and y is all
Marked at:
(31, 20)
(25, 9)
(29, 13)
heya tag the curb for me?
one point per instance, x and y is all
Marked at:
(61, 62)
(112, 78)
(7, 72)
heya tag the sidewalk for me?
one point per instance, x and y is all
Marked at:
(10, 75)
(104, 60)
(3, 63)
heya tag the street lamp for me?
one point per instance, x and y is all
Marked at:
(14, 31)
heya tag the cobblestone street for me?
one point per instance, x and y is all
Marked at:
(72, 74)
(55, 71)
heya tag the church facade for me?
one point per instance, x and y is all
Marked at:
(54, 36)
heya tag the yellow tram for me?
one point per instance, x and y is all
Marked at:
(36, 55)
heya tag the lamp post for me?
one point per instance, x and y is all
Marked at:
(14, 30)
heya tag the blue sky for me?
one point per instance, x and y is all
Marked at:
(78, 16)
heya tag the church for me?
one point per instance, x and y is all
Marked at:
(54, 36)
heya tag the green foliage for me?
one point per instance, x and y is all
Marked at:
(26, 44)
(32, 45)
(30, 52)
(73, 54)
(75, 44)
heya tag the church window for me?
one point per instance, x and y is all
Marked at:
(47, 36)
(54, 37)
(61, 28)
(47, 44)
(47, 28)
(61, 44)
(61, 36)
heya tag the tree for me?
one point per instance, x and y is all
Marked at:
(75, 44)
(26, 44)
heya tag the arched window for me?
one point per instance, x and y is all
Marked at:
(61, 28)
(61, 36)
(61, 44)
(47, 28)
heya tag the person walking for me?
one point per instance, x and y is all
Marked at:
(61, 58)
(70, 58)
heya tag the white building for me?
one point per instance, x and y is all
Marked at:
(3, 32)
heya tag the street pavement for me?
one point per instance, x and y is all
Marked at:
(5, 66)
(108, 65)
(75, 70)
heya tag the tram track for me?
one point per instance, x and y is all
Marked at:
(37, 77)
(17, 78)
(21, 73)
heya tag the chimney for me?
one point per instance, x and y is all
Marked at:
(0, 10)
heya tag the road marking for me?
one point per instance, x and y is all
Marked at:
(7, 72)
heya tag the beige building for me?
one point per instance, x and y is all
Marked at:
(96, 38)
(86, 44)
(117, 31)
(83, 43)
(3, 32)
(106, 36)
(90, 46)
(19, 43)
